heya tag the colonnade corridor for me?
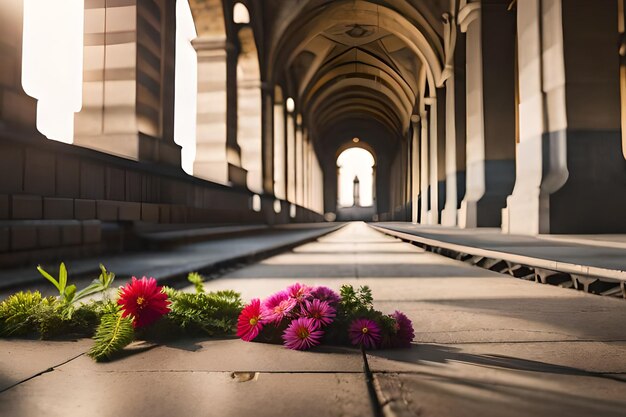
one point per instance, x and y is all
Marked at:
(166, 166)
(485, 344)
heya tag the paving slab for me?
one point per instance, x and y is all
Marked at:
(227, 355)
(558, 357)
(23, 359)
(489, 392)
(80, 393)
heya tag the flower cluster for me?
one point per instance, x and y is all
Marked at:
(301, 317)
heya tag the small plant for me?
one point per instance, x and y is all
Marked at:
(68, 296)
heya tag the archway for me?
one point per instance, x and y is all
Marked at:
(355, 173)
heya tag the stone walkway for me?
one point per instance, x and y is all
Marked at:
(486, 345)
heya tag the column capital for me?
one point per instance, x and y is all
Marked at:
(208, 44)
(467, 14)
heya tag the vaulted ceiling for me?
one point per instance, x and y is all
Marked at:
(346, 61)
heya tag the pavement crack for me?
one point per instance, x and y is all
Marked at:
(45, 371)
(369, 379)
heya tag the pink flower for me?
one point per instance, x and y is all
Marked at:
(326, 294)
(365, 332)
(298, 291)
(250, 321)
(277, 306)
(144, 300)
(302, 334)
(320, 312)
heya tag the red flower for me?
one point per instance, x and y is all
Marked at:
(250, 320)
(144, 300)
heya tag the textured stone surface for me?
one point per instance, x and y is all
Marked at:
(485, 345)
(190, 393)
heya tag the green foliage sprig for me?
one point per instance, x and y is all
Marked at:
(29, 313)
(114, 334)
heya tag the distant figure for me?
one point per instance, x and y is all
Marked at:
(355, 192)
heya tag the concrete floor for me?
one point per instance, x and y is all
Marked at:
(486, 345)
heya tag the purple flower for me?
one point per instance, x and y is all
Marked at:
(326, 294)
(320, 312)
(404, 331)
(299, 292)
(302, 334)
(365, 332)
(278, 306)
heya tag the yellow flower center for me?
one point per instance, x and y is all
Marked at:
(140, 301)
(254, 321)
(364, 330)
(303, 333)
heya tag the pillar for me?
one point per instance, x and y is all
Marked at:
(267, 140)
(279, 147)
(17, 109)
(490, 49)
(291, 168)
(433, 210)
(571, 171)
(415, 168)
(299, 161)
(424, 176)
(128, 78)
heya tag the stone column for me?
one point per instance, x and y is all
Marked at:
(17, 109)
(267, 150)
(291, 168)
(490, 48)
(279, 148)
(212, 156)
(299, 162)
(415, 168)
(571, 176)
(128, 100)
(433, 211)
(424, 177)
(449, 213)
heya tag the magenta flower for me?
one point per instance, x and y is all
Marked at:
(365, 332)
(326, 294)
(144, 301)
(320, 312)
(404, 331)
(278, 306)
(250, 321)
(298, 291)
(302, 334)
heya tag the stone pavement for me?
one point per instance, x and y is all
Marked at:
(485, 345)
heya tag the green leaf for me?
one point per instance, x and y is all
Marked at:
(197, 280)
(70, 292)
(114, 334)
(50, 278)
(62, 278)
(106, 278)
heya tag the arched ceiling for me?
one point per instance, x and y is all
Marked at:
(346, 61)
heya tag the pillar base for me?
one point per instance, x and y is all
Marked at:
(486, 211)
(237, 176)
